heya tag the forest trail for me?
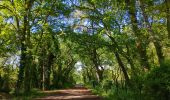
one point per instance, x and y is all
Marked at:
(79, 93)
(4, 96)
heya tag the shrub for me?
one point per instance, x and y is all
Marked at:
(157, 83)
(107, 84)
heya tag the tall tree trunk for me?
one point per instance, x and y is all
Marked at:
(34, 75)
(22, 61)
(159, 52)
(41, 69)
(168, 16)
(127, 55)
(27, 76)
(88, 75)
(141, 47)
(29, 60)
(122, 67)
(155, 40)
(43, 77)
(130, 61)
(117, 49)
(96, 65)
(57, 75)
(49, 66)
(26, 58)
(21, 67)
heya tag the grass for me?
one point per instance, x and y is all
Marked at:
(98, 90)
(34, 93)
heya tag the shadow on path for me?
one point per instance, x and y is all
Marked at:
(70, 94)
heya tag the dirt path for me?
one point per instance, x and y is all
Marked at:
(4, 96)
(70, 94)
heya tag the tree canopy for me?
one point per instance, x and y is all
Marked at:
(117, 47)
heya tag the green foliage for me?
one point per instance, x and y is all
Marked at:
(157, 83)
(118, 42)
(7, 78)
(107, 85)
(29, 95)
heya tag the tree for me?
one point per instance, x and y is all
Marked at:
(167, 2)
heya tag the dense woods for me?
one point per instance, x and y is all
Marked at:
(118, 48)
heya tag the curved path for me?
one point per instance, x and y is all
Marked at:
(70, 94)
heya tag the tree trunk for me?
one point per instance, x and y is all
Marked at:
(43, 77)
(122, 67)
(41, 69)
(58, 76)
(127, 55)
(141, 46)
(26, 56)
(22, 63)
(27, 76)
(130, 61)
(88, 75)
(168, 16)
(34, 75)
(96, 65)
(159, 52)
(49, 66)
(155, 40)
(29, 59)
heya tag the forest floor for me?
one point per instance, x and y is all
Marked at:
(79, 93)
(76, 93)
(4, 96)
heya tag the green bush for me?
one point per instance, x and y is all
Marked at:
(7, 78)
(157, 83)
(107, 85)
